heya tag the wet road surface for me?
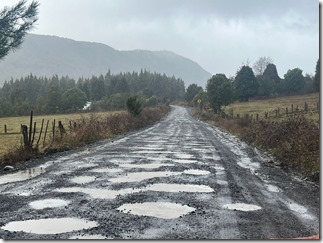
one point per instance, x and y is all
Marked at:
(179, 179)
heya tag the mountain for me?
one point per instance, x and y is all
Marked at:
(50, 55)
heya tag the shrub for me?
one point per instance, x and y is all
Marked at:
(134, 106)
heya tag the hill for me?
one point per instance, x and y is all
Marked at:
(50, 55)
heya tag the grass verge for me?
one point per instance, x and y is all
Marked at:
(294, 142)
(90, 128)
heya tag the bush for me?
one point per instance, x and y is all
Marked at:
(134, 106)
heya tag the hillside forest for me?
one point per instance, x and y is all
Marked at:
(105, 92)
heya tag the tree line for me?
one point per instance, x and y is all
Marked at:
(261, 81)
(105, 92)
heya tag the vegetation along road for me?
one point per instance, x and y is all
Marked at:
(179, 179)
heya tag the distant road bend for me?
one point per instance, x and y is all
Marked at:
(179, 179)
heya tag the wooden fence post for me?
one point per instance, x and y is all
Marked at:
(61, 128)
(54, 123)
(45, 132)
(30, 127)
(5, 128)
(24, 131)
(257, 117)
(292, 108)
(41, 130)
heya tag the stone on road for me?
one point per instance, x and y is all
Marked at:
(179, 179)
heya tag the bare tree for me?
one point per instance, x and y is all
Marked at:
(261, 64)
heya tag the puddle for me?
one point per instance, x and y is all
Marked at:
(184, 156)
(242, 207)
(272, 188)
(196, 172)
(222, 183)
(184, 161)
(82, 179)
(48, 203)
(300, 210)
(144, 166)
(107, 170)
(164, 210)
(21, 175)
(87, 237)
(98, 193)
(139, 176)
(218, 167)
(49, 226)
(164, 187)
(246, 163)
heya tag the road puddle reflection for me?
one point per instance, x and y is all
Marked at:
(164, 210)
(242, 207)
(48, 203)
(196, 172)
(98, 193)
(107, 170)
(82, 179)
(144, 166)
(165, 187)
(139, 176)
(21, 175)
(184, 161)
(49, 226)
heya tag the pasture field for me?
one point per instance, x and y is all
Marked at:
(13, 137)
(259, 107)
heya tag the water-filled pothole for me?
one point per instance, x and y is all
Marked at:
(83, 179)
(144, 166)
(139, 176)
(21, 175)
(196, 172)
(242, 207)
(49, 226)
(98, 193)
(165, 187)
(107, 170)
(184, 161)
(48, 203)
(164, 210)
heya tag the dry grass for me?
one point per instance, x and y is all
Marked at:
(294, 140)
(269, 105)
(90, 128)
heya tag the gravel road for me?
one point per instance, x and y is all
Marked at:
(179, 179)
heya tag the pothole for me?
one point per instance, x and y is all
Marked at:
(98, 193)
(139, 176)
(82, 179)
(48, 203)
(107, 170)
(164, 210)
(184, 161)
(144, 166)
(196, 172)
(21, 175)
(49, 226)
(165, 187)
(184, 156)
(242, 207)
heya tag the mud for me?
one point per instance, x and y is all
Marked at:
(178, 179)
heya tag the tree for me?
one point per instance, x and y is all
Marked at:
(53, 101)
(191, 91)
(317, 76)
(261, 64)
(73, 100)
(134, 106)
(15, 22)
(245, 84)
(293, 81)
(268, 81)
(219, 92)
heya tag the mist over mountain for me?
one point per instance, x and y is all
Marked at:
(49, 55)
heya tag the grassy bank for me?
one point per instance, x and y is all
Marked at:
(294, 140)
(89, 128)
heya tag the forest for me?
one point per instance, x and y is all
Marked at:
(105, 92)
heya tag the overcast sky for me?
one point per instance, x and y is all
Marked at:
(219, 35)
